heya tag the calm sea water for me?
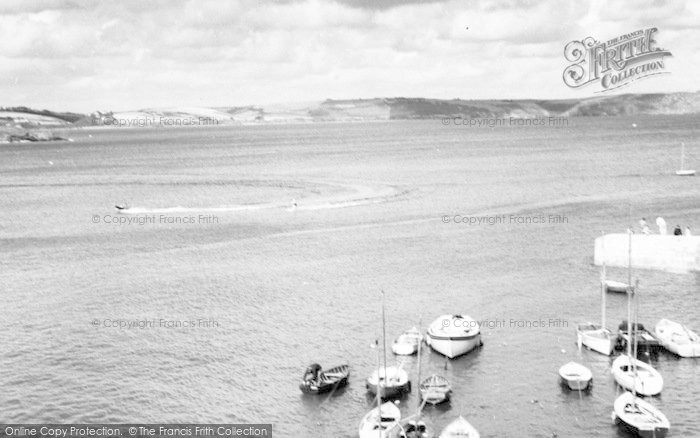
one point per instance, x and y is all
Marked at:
(250, 290)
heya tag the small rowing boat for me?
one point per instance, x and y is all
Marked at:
(435, 389)
(317, 381)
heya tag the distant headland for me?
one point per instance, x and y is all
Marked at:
(26, 124)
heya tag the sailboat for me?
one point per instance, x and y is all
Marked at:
(639, 417)
(594, 336)
(387, 381)
(631, 373)
(415, 426)
(460, 428)
(683, 171)
(382, 421)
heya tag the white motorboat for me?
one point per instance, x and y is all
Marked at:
(381, 422)
(407, 343)
(460, 428)
(389, 382)
(616, 286)
(454, 335)
(576, 376)
(683, 171)
(637, 376)
(640, 417)
(435, 389)
(597, 337)
(677, 338)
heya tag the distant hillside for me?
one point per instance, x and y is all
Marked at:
(17, 119)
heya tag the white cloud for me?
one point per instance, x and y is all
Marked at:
(86, 54)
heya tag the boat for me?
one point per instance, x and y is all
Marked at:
(389, 382)
(317, 381)
(381, 422)
(683, 171)
(597, 337)
(407, 343)
(637, 376)
(575, 376)
(616, 286)
(644, 339)
(121, 207)
(417, 429)
(435, 389)
(639, 417)
(454, 335)
(414, 426)
(641, 335)
(677, 339)
(460, 428)
(631, 373)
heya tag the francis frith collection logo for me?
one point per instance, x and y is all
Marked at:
(616, 62)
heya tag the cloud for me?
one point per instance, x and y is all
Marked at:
(85, 54)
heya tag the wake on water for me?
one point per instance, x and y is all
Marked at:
(362, 195)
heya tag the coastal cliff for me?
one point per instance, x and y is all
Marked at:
(358, 110)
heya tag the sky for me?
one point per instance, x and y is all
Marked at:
(86, 55)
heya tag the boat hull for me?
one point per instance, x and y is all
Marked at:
(372, 427)
(328, 380)
(435, 397)
(576, 384)
(647, 382)
(595, 338)
(396, 385)
(690, 350)
(616, 286)
(460, 428)
(454, 346)
(685, 172)
(435, 390)
(407, 343)
(404, 349)
(390, 391)
(576, 377)
(677, 339)
(454, 335)
(652, 424)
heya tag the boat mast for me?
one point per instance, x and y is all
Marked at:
(634, 362)
(419, 357)
(636, 322)
(383, 346)
(629, 258)
(630, 291)
(602, 286)
(379, 397)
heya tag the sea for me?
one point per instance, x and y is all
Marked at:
(247, 253)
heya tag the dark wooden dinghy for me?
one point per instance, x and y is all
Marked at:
(317, 381)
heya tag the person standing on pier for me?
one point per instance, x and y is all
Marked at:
(661, 223)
